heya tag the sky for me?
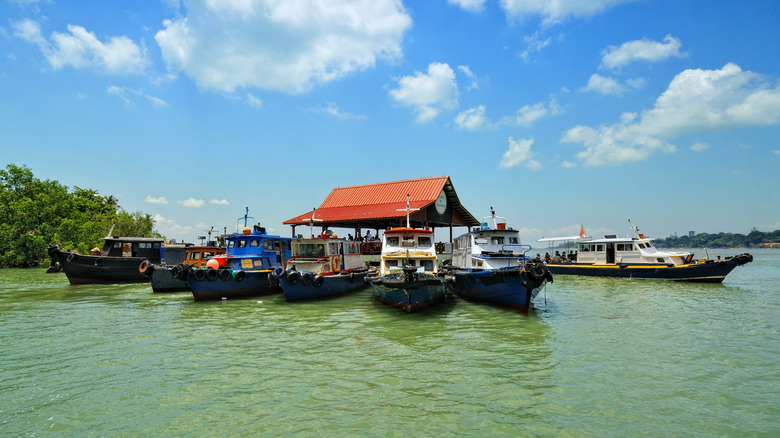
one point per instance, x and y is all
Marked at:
(558, 114)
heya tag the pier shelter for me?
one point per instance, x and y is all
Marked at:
(377, 207)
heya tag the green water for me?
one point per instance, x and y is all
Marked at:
(596, 357)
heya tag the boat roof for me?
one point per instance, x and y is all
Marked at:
(133, 239)
(407, 230)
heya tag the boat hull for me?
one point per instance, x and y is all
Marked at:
(163, 280)
(306, 286)
(711, 271)
(408, 295)
(87, 269)
(510, 287)
(253, 283)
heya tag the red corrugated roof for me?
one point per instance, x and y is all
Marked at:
(375, 201)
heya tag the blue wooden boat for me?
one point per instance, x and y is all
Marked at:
(321, 267)
(637, 258)
(243, 270)
(489, 264)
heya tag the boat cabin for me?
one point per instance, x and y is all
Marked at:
(492, 246)
(146, 247)
(253, 249)
(197, 256)
(324, 255)
(634, 250)
(405, 246)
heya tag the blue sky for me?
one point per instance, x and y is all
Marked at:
(556, 113)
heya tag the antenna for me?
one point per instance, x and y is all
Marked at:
(311, 222)
(493, 217)
(636, 229)
(245, 218)
(408, 209)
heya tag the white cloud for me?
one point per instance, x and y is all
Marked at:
(519, 154)
(222, 201)
(428, 93)
(776, 152)
(696, 101)
(128, 96)
(611, 86)
(533, 45)
(254, 102)
(640, 50)
(472, 119)
(192, 203)
(333, 110)
(530, 114)
(467, 71)
(82, 49)
(698, 146)
(555, 11)
(469, 5)
(288, 46)
(161, 200)
(568, 164)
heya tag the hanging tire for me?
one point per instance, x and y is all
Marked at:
(199, 275)
(211, 274)
(306, 279)
(175, 271)
(240, 275)
(279, 272)
(293, 277)
(185, 272)
(225, 275)
(318, 281)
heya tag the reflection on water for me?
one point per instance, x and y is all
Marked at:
(597, 357)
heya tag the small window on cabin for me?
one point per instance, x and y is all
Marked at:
(392, 241)
(513, 240)
(156, 245)
(480, 240)
(584, 248)
(641, 245)
(196, 255)
(599, 248)
(242, 243)
(231, 244)
(497, 240)
(117, 244)
(427, 265)
(408, 243)
(649, 244)
(424, 241)
(268, 245)
(660, 260)
(254, 243)
(144, 245)
(390, 263)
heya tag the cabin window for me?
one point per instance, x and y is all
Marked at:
(144, 245)
(241, 243)
(427, 264)
(407, 243)
(194, 255)
(480, 240)
(268, 245)
(584, 248)
(334, 248)
(649, 245)
(117, 244)
(660, 260)
(254, 243)
(424, 241)
(353, 248)
(641, 245)
(309, 250)
(625, 246)
(392, 241)
(513, 240)
(599, 247)
(231, 244)
(390, 263)
(497, 240)
(156, 245)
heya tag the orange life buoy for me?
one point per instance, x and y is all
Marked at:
(143, 266)
(335, 266)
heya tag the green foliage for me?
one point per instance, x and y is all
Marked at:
(720, 240)
(35, 214)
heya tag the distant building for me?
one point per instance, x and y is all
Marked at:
(691, 233)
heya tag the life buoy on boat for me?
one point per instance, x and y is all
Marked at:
(335, 266)
(143, 267)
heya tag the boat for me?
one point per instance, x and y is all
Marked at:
(408, 276)
(321, 267)
(242, 271)
(637, 257)
(168, 276)
(489, 264)
(116, 262)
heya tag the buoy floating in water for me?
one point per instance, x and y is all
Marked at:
(224, 298)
